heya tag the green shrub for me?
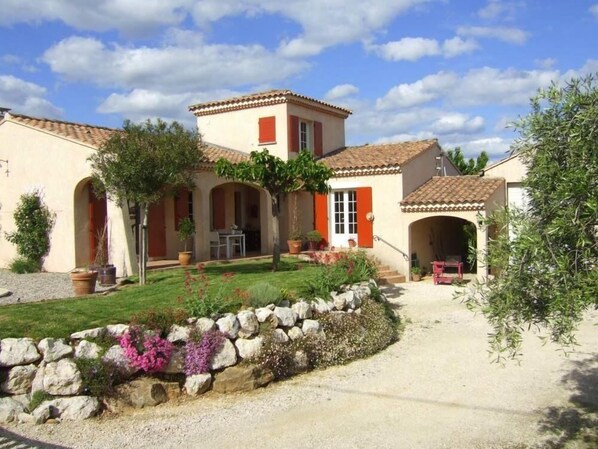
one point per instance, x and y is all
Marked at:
(34, 221)
(263, 293)
(98, 377)
(202, 301)
(160, 320)
(37, 398)
(22, 265)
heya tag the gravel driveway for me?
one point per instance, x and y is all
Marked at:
(436, 388)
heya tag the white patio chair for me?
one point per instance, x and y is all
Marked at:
(216, 243)
(238, 243)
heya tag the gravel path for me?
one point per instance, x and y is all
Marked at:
(435, 388)
(37, 286)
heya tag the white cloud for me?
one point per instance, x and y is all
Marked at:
(169, 69)
(546, 63)
(407, 49)
(505, 34)
(594, 10)
(132, 17)
(497, 9)
(456, 123)
(456, 46)
(341, 91)
(406, 137)
(420, 92)
(25, 97)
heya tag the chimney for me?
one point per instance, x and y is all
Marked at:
(3, 112)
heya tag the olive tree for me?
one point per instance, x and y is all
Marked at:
(546, 266)
(143, 163)
(278, 178)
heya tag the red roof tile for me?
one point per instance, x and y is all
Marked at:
(212, 153)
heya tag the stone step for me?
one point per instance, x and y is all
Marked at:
(386, 273)
(395, 279)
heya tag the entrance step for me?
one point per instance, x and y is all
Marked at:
(388, 276)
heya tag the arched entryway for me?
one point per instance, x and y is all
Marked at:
(90, 223)
(442, 238)
(241, 205)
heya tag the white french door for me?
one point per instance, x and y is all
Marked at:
(343, 213)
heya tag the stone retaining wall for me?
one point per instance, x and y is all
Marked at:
(27, 366)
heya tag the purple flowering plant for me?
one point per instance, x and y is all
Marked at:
(149, 353)
(199, 351)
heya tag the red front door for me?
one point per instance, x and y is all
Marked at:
(156, 230)
(97, 221)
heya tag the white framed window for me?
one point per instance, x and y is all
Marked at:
(305, 135)
(344, 217)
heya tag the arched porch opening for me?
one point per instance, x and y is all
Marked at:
(442, 238)
(235, 204)
(90, 222)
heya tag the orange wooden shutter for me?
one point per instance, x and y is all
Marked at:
(321, 215)
(181, 206)
(267, 127)
(293, 134)
(365, 228)
(318, 147)
(218, 209)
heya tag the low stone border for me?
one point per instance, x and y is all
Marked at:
(27, 366)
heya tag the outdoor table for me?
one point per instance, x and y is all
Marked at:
(440, 277)
(229, 238)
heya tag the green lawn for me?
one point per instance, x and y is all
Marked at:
(60, 318)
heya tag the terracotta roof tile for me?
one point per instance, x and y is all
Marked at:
(212, 153)
(368, 157)
(255, 99)
(443, 190)
(87, 134)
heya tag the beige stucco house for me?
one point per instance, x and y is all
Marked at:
(400, 201)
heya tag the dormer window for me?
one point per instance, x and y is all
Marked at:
(305, 136)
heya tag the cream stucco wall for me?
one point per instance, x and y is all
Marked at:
(422, 168)
(511, 169)
(56, 166)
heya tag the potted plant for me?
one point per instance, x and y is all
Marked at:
(295, 241)
(313, 239)
(186, 230)
(416, 274)
(84, 281)
(106, 271)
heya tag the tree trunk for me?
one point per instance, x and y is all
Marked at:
(143, 244)
(275, 233)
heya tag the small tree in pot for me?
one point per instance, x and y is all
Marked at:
(313, 239)
(186, 231)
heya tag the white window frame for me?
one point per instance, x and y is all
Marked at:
(306, 135)
(343, 219)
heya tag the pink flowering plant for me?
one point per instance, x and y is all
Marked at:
(200, 350)
(149, 353)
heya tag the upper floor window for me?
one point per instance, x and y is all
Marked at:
(305, 142)
(305, 135)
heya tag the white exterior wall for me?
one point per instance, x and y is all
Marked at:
(56, 166)
(421, 169)
(514, 172)
(239, 129)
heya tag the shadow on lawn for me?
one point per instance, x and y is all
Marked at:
(576, 425)
(13, 440)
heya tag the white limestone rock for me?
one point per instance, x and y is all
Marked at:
(75, 408)
(10, 409)
(286, 316)
(229, 325)
(249, 348)
(339, 301)
(116, 356)
(96, 332)
(322, 306)
(178, 334)
(279, 336)
(302, 309)
(117, 330)
(18, 351)
(62, 378)
(198, 384)
(42, 413)
(205, 324)
(248, 323)
(295, 333)
(311, 327)
(87, 350)
(301, 361)
(266, 315)
(226, 356)
(19, 379)
(54, 349)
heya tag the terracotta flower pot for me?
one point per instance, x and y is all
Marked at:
(294, 246)
(312, 246)
(352, 243)
(185, 258)
(84, 282)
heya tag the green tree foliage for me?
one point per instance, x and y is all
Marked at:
(143, 163)
(34, 222)
(547, 269)
(467, 167)
(279, 178)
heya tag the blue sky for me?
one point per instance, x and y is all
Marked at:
(457, 70)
